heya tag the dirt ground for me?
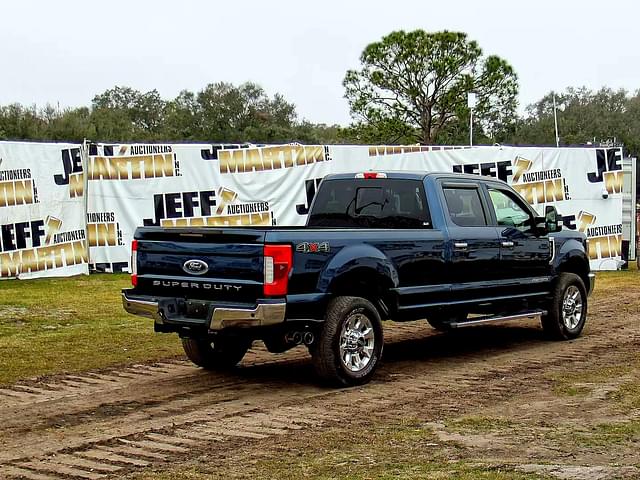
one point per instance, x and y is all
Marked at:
(484, 402)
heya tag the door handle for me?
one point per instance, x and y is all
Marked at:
(460, 245)
(507, 244)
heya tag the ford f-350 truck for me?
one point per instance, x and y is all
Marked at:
(456, 250)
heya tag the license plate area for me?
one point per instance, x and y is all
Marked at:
(196, 309)
(188, 311)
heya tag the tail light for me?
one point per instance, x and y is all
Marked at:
(134, 263)
(278, 260)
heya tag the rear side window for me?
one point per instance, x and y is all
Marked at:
(370, 203)
(465, 207)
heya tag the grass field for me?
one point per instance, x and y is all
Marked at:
(561, 421)
(529, 440)
(52, 326)
(62, 325)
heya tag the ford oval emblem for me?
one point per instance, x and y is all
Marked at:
(195, 267)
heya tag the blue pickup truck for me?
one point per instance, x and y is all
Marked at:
(457, 250)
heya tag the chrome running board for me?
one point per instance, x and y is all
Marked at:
(533, 314)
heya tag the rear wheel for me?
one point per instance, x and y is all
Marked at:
(567, 311)
(218, 355)
(350, 343)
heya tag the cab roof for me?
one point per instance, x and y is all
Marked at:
(411, 175)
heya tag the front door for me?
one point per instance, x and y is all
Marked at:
(525, 254)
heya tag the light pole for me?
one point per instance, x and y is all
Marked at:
(471, 103)
(555, 120)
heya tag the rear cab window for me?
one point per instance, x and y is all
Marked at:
(370, 203)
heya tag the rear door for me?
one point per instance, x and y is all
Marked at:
(473, 245)
(524, 255)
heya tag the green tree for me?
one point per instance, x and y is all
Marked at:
(318, 134)
(244, 113)
(72, 124)
(18, 122)
(584, 116)
(413, 86)
(133, 113)
(182, 118)
(220, 112)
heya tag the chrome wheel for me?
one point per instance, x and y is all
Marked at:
(357, 340)
(572, 307)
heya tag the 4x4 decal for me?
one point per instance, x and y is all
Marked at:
(306, 247)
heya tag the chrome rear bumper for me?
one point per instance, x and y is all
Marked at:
(262, 315)
(142, 308)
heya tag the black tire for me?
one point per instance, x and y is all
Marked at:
(221, 355)
(328, 361)
(558, 323)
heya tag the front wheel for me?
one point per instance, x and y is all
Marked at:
(218, 355)
(350, 343)
(568, 308)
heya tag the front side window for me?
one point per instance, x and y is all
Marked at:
(465, 207)
(509, 212)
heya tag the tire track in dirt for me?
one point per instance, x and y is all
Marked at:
(102, 425)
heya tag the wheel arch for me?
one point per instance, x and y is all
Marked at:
(575, 262)
(367, 283)
(362, 271)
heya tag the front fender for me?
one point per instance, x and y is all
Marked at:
(572, 250)
(356, 258)
(572, 257)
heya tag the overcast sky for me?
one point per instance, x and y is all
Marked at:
(67, 51)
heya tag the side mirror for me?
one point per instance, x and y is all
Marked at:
(541, 227)
(553, 219)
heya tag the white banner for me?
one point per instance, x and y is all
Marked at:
(42, 222)
(236, 185)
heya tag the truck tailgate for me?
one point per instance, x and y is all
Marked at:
(214, 264)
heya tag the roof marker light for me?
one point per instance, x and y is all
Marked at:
(370, 175)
